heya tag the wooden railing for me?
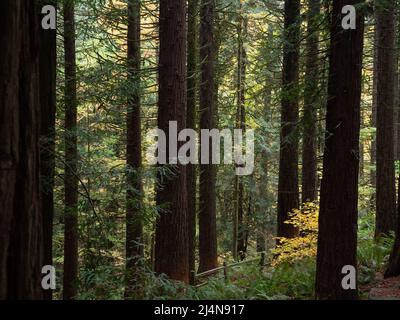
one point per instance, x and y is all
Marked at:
(225, 268)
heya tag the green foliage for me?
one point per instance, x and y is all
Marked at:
(373, 254)
(106, 282)
(286, 281)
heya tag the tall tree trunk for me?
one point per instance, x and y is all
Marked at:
(309, 152)
(235, 218)
(207, 206)
(134, 194)
(373, 111)
(288, 188)
(20, 205)
(397, 98)
(264, 179)
(171, 250)
(361, 157)
(47, 87)
(393, 269)
(337, 237)
(396, 108)
(71, 158)
(385, 174)
(191, 124)
(241, 123)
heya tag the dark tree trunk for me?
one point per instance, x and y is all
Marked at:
(397, 98)
(337, 237)
(71, 158)
(385, 174)
(235, 217)
(171, 249)
(134, 194)
(240, 221)
(264, 178)
(288, 188)
(241, 123)
(47, 70)
(191, 124)
(373, 114)
(393, 269)
(361, 157)
(396, 53)
(309, 152)
(20, 205)
(207, 207)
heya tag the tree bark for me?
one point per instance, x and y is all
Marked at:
(396, 108)
(47, 87)
(191, 124)
(288, 188)
(134, 194)
(70, 280)
(264, 178)
(20, 204)
(393, 269)
(241, 123)
(207, 202)
(309, 152)
(171, 249)
(235, 218)
(373, 113)
(385, 174)
(337, 237)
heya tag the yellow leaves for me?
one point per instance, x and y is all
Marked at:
(305, 245)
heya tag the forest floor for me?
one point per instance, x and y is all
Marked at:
(383, 289)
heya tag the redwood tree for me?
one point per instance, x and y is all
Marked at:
(20, 205)
(385, 174)
(207, 205)
(288, 188)
(71, 158)
(309, 152)
(191, 123)
(337, 236)
(171, 248)
(240, 240)
(393, 269)
(373, 117)
(134, 205)
(47, 87)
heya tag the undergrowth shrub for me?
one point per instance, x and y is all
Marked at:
(289, 275)
(305, 244)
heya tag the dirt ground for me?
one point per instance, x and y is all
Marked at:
(383, 289)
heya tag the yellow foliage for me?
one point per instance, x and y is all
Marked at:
(305, 244)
